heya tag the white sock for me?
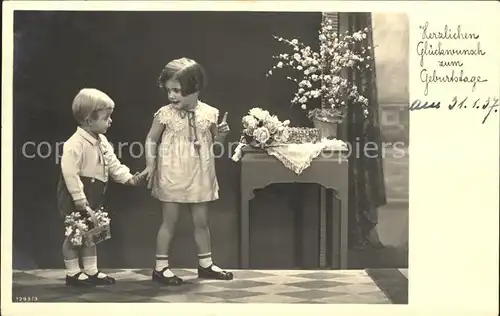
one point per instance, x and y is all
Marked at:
(162, 263)
(90, 266)
(205, 261)
(73, 268)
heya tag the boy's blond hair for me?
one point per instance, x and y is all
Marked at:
(88, 102)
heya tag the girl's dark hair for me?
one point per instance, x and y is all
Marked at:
(188, 72)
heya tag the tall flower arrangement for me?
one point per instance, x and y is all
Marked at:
(320, 74)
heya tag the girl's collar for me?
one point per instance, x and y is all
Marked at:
(192, 109)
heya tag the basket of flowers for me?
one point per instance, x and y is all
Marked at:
(87, 228)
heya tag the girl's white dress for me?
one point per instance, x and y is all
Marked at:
(185, 173)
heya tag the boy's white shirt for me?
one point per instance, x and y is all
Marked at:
(82, 157)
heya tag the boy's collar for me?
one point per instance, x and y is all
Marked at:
(90, 138)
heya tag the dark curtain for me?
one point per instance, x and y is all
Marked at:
(366, 176)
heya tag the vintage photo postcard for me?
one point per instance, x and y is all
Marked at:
(243, 157)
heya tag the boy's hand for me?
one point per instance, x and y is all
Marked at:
(223, 127)
(136, 179)
(81, 204)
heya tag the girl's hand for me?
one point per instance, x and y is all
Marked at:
(223, 127)
(147, 173)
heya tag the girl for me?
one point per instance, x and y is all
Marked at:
(182, 168)
(87, 162)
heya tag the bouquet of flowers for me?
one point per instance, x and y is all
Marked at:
(320, 73)
(261, 129)
(78, 225)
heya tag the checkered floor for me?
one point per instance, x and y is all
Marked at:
(248, 286)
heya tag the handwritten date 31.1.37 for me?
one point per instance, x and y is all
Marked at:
(489, 105)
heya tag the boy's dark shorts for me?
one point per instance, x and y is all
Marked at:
(94, 190)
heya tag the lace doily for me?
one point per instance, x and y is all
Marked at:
(298, 157)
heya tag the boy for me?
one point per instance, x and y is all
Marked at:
(87, 162)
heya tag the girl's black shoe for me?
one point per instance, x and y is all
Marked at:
(74, 281)
(107, 280)
(159, 277)
(208, 273)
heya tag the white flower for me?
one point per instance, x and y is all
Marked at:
(286, 123)
(303, 106)
(272, 123)
(303, 100)
(259, 113)
(363, 100)
(316, 93)
(280, 64)
(297, 56)
(248, 131)
(249, 121)
(77, 240)
(261, 134)
(68, 231)
(357, 36)
(295, 41)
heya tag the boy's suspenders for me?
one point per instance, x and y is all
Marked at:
(101, 156)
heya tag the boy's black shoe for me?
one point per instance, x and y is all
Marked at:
(159, 277)
(107, 280)
(74, 281)
(208, 273)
